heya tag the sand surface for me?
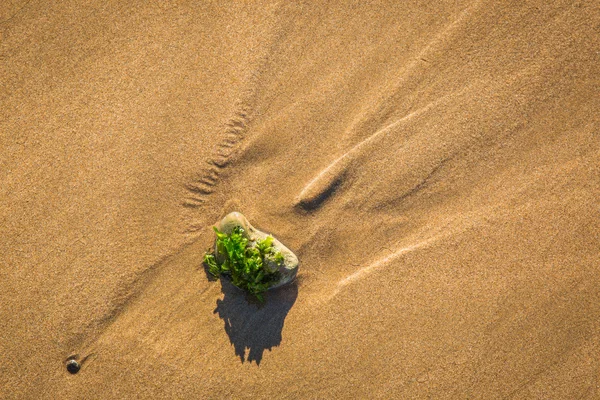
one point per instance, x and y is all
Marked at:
(434, 165)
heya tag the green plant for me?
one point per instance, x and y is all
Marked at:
(247, 265)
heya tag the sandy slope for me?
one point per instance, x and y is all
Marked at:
(435, 167)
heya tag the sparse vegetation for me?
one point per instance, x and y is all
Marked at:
(247, 265)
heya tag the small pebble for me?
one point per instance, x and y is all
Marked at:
(73, 366)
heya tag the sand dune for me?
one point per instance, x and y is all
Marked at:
(435, 167)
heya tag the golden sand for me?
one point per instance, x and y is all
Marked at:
(434, 165)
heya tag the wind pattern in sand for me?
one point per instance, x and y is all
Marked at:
(200, 188)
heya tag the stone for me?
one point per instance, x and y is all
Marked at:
(287, 269)
(73, 366)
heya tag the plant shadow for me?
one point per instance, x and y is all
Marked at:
(252, 325)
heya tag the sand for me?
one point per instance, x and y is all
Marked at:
(434, 165)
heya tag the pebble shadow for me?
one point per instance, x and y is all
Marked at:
(253, 327)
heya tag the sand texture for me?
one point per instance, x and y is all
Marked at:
(435, 166)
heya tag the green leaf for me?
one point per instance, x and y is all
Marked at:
(211, 262)
(265, 245)
(278, 257)
(219, 234)
(245, 264)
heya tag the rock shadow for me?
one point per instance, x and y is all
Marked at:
(252, 325)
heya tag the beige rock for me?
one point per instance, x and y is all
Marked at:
(287, 269)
